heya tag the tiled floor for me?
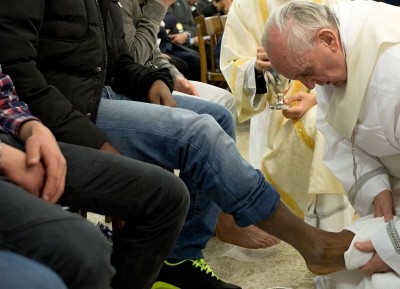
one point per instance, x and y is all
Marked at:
(278, 266)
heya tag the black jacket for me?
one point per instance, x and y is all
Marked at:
(60, 54)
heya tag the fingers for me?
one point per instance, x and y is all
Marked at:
(293, 112)
(193, 89)
(56, 170)
(291, 98)
(55, 183)
(261, 53)
(375, 265)
(262, 61)
(185, 86)
(384, 205)
(32, 153)
(43, 149)
(365, 246)
(169, 101)
(369, 268)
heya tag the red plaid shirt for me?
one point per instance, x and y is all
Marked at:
(12, 111)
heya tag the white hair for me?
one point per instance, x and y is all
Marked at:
(300, 21)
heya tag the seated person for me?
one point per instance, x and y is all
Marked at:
(140, 26)
(178, 39)
(217, 7)
(35, 175)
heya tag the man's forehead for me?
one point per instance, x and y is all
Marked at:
(278, 53)
(288, 64)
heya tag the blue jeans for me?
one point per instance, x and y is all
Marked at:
(190, 138)
(18, 272)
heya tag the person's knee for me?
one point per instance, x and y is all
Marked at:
(79, 253)
(226, 120)
(16, 271)
(92, 251)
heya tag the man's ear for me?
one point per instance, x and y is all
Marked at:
(328, 38)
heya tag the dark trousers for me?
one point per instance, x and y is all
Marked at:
(152, 202)
(192, 59)
(190, 56)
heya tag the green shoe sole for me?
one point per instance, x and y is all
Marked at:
(162, 285)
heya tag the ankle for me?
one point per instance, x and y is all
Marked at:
(327, 254)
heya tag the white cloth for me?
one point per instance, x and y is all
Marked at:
(365, 229)
(258, 135)
(215, 94)
(291, 150)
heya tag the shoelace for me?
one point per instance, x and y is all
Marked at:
(203, 266)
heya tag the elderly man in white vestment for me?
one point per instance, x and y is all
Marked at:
(351, 54)
(288, 149)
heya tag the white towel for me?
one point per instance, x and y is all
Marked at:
(364, 229)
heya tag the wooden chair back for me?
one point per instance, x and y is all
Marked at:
(209, 30)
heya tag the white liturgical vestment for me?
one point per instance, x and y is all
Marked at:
(361, 121)
(292, 156)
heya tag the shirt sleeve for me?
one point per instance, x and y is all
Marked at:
(387, 244)
(238, 58)
(12, 111)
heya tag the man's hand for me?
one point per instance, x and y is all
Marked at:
(41, 148)
(299, 104)
(159, 94)
(181, 84)
(384, 205)
(375, 264)
(262, 60)
(227, 5)
(15, 167)
(168, 3)
(179, 38)
(107, 147)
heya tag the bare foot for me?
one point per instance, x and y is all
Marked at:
(328, 254)
(323, 251)
(250, 237)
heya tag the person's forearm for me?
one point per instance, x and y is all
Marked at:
(141, 28)
(27, 128)
(1, 155)
(108, 147)
(12, 111)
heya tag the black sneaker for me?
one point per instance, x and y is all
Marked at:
(107, 232)
(189, 274)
